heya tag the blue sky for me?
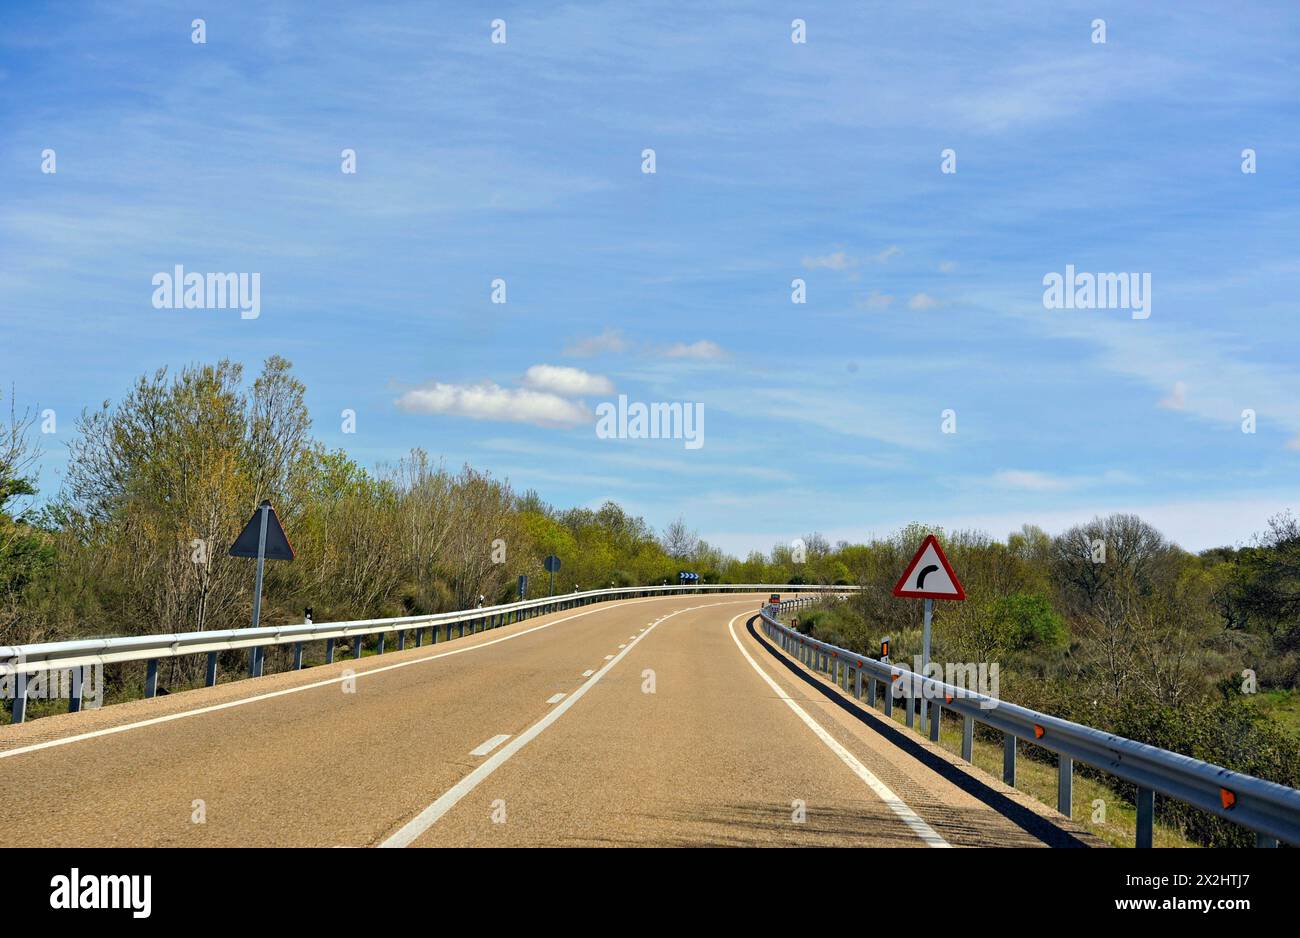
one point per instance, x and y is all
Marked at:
(774, 161)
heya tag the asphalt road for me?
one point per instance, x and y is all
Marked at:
(661, 722)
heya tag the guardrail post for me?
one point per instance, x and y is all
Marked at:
(419, 637)
(1065, 785)
(151, 678)
(380, 649)
(936, 709)
(1009, 759)
(857, 683)
(261, 661)
(871, 692)
(889, 700)
(1146, 817)
(401, 639)
(20, 697)
(210, 679)
(356, 647)
(1264, 840)
(968, 738)
(74, 692)
(297, 656)
(911, 709)
(329, 651)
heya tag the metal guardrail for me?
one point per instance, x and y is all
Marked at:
(1271, 810)
(18, 661)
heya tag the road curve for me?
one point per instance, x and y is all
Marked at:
(664, 722)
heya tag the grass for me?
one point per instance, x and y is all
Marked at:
(1282, 707)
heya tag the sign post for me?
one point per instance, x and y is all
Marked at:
(263, 538)
(523, 586)
(552, 565)
(929, 577)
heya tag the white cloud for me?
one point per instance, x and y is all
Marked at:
(702, 349)
(611, 340)
(569, 382)
(841, 261)
(921, 301)
(837, 261)
(877, 300)
(490, 401)
(1177, 399)
(1033, 481)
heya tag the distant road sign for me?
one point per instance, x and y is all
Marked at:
(277, 542)
(552, 564)
(929, 575)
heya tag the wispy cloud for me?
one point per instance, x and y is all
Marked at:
(837, 261)
(1177, 399)
(610, 341)
(703, 350)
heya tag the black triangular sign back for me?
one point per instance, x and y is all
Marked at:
(277, 543)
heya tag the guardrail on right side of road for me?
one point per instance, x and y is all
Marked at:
(1271, 810)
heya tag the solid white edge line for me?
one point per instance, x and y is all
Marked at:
(554, 699)
(488, 745)
(213, 708)
(413, 828)
(886, 794)
(588, 673)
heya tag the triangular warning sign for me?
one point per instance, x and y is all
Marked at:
(277, 542)
(929, 575)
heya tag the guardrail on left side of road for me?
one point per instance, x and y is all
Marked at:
(17, 662)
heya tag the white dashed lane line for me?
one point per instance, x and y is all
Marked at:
(555, 699)
(430, 815)
(489, 745)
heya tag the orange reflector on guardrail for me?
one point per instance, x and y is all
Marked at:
(947, 698)
(896, 677)
(1227, 798)
(1038, 731)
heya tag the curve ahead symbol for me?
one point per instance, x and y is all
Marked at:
(925, 572)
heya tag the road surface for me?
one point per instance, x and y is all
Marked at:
(665, 721)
